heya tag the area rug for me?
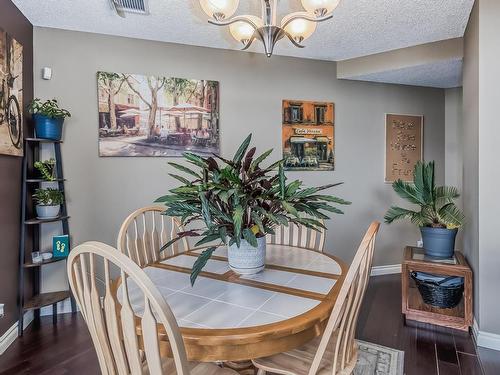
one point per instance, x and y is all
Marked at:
(375, 359)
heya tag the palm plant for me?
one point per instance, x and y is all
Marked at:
(239, 199)
(436, 203)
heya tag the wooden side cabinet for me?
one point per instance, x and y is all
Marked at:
(414, 308)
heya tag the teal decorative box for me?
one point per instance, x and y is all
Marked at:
(60, 246)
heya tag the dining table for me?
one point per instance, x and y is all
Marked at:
(229, 317)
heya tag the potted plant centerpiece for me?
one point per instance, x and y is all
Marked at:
(48, 202)
(48, 117)
(239, 202)
(439, 218)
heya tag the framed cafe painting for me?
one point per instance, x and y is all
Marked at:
(403, 146)
(308, 135)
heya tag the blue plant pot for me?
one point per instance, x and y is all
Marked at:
(48, 127)
(439, 242)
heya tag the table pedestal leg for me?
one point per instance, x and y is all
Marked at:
(242, 367)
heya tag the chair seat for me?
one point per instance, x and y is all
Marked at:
(298, 361)
(197, 368)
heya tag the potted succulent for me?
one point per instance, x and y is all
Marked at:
(47, 169)
(439, 218)
(48, 202)
(48, 117)
(239, 202)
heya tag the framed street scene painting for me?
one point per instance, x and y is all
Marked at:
(157, 116)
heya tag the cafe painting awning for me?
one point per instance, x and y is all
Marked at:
(322, 139)
(131, 112)
(186, 107)
(302, 140)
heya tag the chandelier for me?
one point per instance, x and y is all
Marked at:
(297, 26)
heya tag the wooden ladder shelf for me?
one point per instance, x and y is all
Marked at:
(31, 234)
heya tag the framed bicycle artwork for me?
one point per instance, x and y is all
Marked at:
(11, 95)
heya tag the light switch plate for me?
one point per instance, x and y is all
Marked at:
(46, 73)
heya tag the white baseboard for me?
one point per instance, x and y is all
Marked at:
(10, 336)
(475, 330)
(386, 270)
(485, 339)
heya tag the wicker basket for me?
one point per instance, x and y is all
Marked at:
(435, 294)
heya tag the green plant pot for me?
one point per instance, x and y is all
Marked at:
(439, 242)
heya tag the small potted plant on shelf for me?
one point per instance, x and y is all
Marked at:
(48, 117)
(439, 218)
(47, 169)
(48, 202)
(239, 202)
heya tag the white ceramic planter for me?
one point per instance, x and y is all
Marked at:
(47, 212)
(247, 260)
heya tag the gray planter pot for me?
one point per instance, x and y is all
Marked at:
(47, 212)
(247, 260)
(439, 242)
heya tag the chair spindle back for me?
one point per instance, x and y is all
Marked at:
(109, 315)
(145, 231)
(298, 236)
(343, 319)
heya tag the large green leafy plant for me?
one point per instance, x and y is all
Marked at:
(437, 208)
(239, 199)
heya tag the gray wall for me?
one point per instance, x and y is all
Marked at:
(102, 191)
(470, 194)
(489, 172)
(454, 145)
(453, 137)
(481, 174)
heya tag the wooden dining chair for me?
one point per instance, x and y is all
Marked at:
(335, 352)
(113, 324)
(298, 236)
(145, 231)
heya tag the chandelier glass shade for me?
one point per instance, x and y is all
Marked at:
(219, 9)
(297, 26)
(320, 6)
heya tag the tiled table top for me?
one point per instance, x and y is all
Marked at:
(295, 281)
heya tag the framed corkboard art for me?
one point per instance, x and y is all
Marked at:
(403, 146)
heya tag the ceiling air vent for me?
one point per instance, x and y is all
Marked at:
(131, 6)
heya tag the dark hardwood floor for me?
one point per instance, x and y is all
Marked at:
(67, 349)
(429, 350)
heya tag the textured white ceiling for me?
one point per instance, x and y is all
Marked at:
(358, 28)
(442, 74)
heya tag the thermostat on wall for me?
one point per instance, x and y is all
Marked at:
(46, 73)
